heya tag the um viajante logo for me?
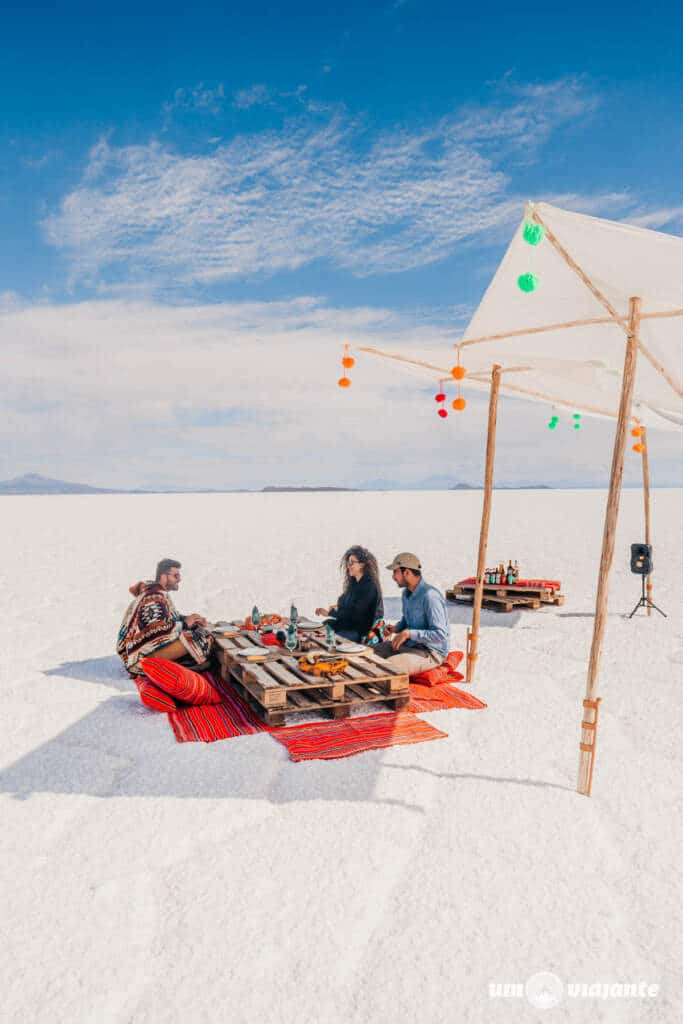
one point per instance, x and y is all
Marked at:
(545, 990)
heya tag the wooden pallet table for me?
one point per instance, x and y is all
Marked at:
(276, 686)
(502, 597)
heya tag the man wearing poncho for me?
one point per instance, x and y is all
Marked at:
(153, 625)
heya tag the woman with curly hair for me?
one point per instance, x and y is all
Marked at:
(360, 606)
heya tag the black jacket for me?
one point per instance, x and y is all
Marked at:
(360, 607)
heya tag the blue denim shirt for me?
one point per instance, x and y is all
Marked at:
(426, 616)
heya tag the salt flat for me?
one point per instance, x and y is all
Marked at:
(145, 880)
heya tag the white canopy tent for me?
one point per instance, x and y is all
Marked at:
(597, 330)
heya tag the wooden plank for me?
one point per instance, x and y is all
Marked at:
(296, 699)
(270, 716)
(508, 603)
(502, 590)
(318, 699)
(280, 672)
(302, 700)
(390, 684)
(385, 667)
(263, 686)
(254, 637)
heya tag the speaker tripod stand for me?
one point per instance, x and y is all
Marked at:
(645, 602)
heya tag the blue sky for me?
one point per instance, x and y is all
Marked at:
(257, 184)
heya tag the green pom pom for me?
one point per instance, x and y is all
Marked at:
(577, 415)
(577, 426)
(533, 233)
(527, 282)
(552, 425)
(554, 419)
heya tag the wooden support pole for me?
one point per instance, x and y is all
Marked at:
(589, 734)
(646, 498)
(473, 633)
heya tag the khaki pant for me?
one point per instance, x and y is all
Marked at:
(410, 660)
(172, 652)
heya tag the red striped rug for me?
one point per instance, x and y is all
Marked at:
(327, 741)
(209, 722)
(439, 698)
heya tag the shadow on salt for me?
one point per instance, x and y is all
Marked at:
(122, 749)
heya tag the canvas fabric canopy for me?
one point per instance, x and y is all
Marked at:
(581, 366)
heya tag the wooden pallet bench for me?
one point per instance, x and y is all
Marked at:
(276, 686)
(503, 598)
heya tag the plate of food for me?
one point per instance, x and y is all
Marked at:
(252, 652)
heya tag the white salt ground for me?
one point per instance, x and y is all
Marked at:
(146, 881)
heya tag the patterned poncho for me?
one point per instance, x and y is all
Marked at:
(152, 621)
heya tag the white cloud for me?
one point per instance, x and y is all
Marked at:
(256, 95)
(134, 393)
(322, 188)
(669, 216)
(199, 97)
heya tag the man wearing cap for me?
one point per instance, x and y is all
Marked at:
(420, 639)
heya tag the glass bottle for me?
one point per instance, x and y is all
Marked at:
(255, 617)
(291, 641)
(293, 614)
(329, 635)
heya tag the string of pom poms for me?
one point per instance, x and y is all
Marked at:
(458, 372)
(348, 362)
(533, 234)
(440, 398)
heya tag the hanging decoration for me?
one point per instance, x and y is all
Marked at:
(347, 362)
(533, 233)
(440, 398)
(577, 421)
(527, 282)
(554, 420)
(457, 373)
(638, 431)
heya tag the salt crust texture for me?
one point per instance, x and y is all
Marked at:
(148, 881)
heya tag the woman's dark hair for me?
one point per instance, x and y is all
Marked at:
(366, 559)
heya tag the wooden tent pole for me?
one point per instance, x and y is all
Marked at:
(663, 313)
(473, 633)
(590, 705)
(646, 498)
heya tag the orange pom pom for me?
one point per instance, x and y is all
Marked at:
(344, 382)
(459, 404)
(637, 432)
(640, 447)
(348, 362)
(458, 372)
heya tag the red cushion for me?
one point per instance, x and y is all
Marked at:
(182, 683)
(443, 673)
(535, 584)
(153, 697)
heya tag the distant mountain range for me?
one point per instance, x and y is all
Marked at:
(34, 483)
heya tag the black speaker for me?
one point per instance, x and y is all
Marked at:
(641, 559)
